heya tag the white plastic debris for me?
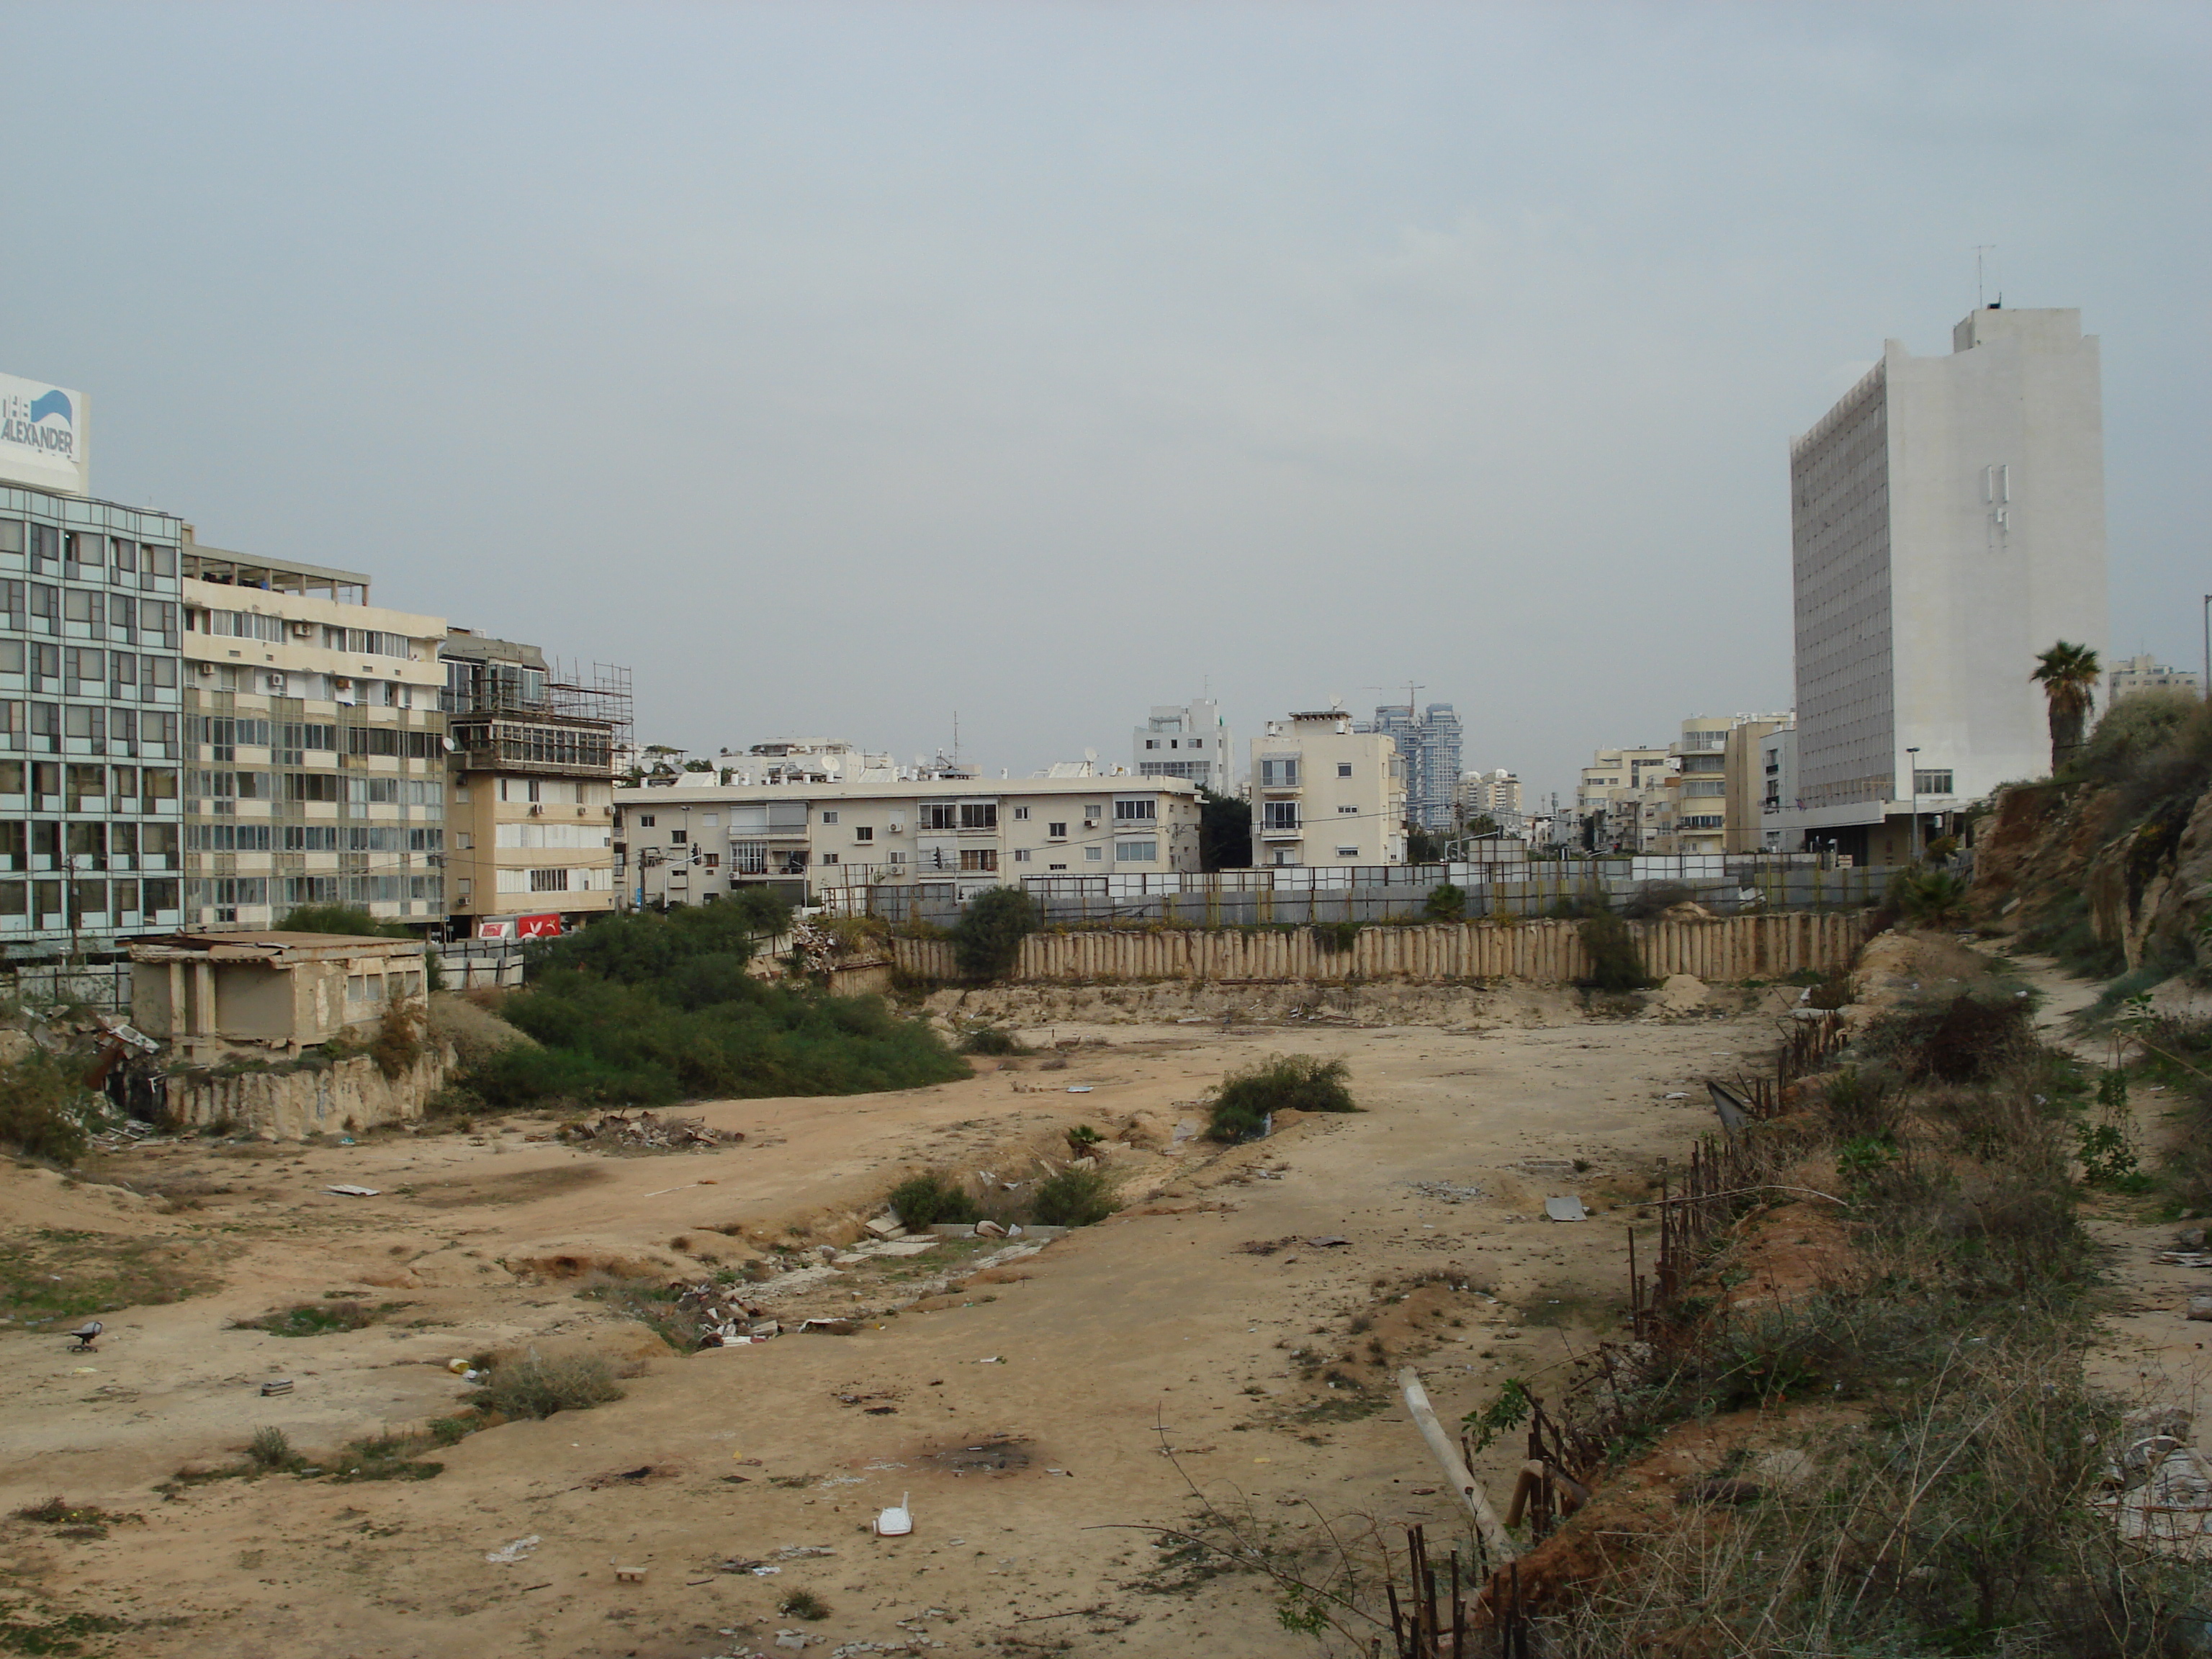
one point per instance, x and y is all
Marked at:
(511, 1553)
(353, 1192)
(1566, 1209)
(896, 1521)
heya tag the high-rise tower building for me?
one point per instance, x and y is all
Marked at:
(1429, 744)
(1947, 524)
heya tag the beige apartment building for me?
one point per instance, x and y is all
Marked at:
(530, 839)
(693, 844)
(2132, 674)
(1323, 793)
(314, 744)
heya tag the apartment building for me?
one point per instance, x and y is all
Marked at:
(2134, 675)
(1610, 793)
(1186, 740)
(955, 836)
(314, 742)
(531, 815)
(1324, 792)
(1947, 524)
(91, 824)
(1777, 766)
(1745, 771)
(1429, 744)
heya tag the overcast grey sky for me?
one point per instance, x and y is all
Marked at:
(839, 367)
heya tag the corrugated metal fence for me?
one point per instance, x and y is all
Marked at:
(1544, 952)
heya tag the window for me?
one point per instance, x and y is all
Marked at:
(1151, 742)
(863, 832)
(1347, 852)
(1021, 812)
(1094, 855)
(829, 858)
(1134, 811)
(982, 816)
(749, 858)
(1935, 782)
(1343, 769)
(898, 858)
(1055, 831)
(1136, 852)
(1278, 814)
(1279, 773)
(678, 837)
(939, 814)
(1352, 812)
(1021, 855)
(978, 858)
(828, 817)
(645, 820)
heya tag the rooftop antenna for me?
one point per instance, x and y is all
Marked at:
(1982, 251)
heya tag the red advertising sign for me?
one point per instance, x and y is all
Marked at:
(521, 927)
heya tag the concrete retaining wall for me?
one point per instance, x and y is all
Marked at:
(348, 1095)
(1544, 952)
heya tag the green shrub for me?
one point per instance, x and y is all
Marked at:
(922, 1201)
(1074, 1198)
(986, 941)
(313, 1319)
(533, 1387)
(1930, 898)
(647, 1010)
(1280, 1083)
(992, 1040)
(1445, 903)
(1616, 962)
(803, 1604)
(42, 1108)
(269, 1448)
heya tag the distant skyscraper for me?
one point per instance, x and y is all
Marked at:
(1947, 523)
(1429, 745)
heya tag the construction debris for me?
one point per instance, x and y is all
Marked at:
(648, 1132)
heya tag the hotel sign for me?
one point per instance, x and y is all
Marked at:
(44, 436)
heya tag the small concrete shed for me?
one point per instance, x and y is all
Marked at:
(209, 995)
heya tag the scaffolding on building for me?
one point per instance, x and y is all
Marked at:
(597, 691)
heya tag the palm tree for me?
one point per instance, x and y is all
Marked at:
(2068, 675)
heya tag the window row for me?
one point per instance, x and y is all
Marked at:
(313, 838)
(72, 786)
(562, 878)
(260, 625)
(48, 728)
(571, 835)
(88, 671)
(206, 784)
(226, 891)
(90, 556)
(86, 613)
(43, 844)
(59, 904)
(542, 745)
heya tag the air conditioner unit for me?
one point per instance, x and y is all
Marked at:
(537, 811)
(303, 631)
(206, 669)
(275, 684)
(1091, 824)
(341, 683)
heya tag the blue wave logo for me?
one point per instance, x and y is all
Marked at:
(53, 403)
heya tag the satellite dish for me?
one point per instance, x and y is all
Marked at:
(1090, 755)
(1337, 701)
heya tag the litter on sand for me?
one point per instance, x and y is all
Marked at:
(1566, 1209)
(1079, 1088)
(280, 1385)
(354, 1192)
(511, 1553)
(896, 1521)
(1324, 1242)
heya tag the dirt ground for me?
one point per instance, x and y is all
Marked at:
(1027, 1411)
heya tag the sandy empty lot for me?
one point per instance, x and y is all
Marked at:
(1073, 1369)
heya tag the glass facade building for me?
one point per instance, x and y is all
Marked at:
(90, 703)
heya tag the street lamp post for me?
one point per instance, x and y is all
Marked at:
(1913, 753)
(2207, 646)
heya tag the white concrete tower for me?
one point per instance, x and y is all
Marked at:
(1947, 524)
